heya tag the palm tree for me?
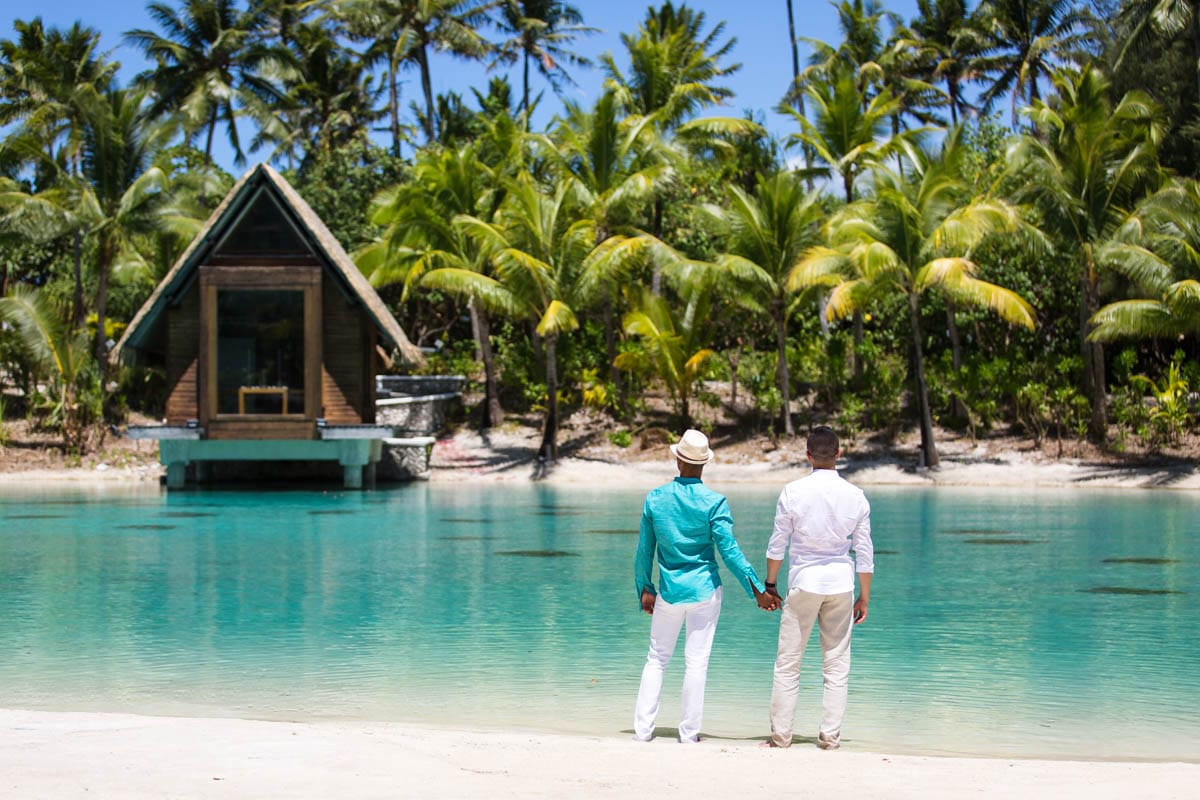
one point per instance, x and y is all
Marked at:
(1156, 250)
(1087, 168)
(404, 31)
(57, 350)
(671, 337)
(423, 248)
(617, 167)
(946, 31)
(210, 64)
(548, 268)
(674, 66)
(862, 49)
(795, 92)
(848, 128)
(763, 237)
(48, 79)
(328, 103)
(1023, 42)
(541, 32)
(125, 194)
(916, 233)
(537, 248)
(1162, 19)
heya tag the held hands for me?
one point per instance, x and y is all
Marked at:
(648, 598)
(768, 600)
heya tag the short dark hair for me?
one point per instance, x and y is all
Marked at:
(823, 443)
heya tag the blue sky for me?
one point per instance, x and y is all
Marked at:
(760, 27)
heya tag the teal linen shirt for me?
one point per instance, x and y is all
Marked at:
(686, 522)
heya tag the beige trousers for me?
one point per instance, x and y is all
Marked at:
(834, 614)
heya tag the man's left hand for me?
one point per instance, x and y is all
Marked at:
(860, 610)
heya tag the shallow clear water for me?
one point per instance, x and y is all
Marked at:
(1002, 622)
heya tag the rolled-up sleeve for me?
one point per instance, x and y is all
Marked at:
(782, 532)
(860, 541)
(721, 523)
(643, 564)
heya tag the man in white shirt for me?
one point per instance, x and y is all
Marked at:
(819, 520)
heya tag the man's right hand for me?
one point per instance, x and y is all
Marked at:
(648, 598)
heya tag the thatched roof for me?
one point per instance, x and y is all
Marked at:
(146, 324)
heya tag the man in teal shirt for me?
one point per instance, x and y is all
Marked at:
(686, 523)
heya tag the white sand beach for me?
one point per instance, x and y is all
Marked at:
(507, 456)
(75, 755)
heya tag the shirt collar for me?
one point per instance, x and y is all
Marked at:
(689, 481)
(824, 470)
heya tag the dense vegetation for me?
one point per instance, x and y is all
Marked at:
(987, 215)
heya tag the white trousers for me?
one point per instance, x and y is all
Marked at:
(701, 622)
(834, 614)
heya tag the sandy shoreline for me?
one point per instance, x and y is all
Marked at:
(470, 456)
(509, 456)
(68, 755)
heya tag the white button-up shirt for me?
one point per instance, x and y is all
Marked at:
(819, 519)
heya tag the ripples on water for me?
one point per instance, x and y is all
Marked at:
(1025, 623)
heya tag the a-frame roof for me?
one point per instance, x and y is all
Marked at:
(304, 221)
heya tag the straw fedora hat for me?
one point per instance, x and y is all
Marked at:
(692, 448)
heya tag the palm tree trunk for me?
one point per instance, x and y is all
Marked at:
(929, 454)
(656, 223)
(525, 91)
(785, 388)
(960, 408)
(1094, 384)
(952, 92)
(103, 265)
(855, 365)
(427, 88)
(394, 106)
(807, 149)
(1196, 45)
(208, 141)
(549, 446)
(77, 298)
(493, 413)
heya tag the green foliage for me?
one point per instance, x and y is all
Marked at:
(621, 438)
(73, 403)
(340, 185)
(883, 380)
(1170, 414)
(455, 358)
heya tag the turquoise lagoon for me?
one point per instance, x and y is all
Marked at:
(1030, 623)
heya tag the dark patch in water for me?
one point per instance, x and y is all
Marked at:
(333, 512)
(147, 527)
(36, 516)
(537, 553)
(978, 532)
(188, 514)
(470, 520)
(887, 552)
(613, 532)
(466, 538)
(1127, 590)
(1141, 561)
(1002, 541)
